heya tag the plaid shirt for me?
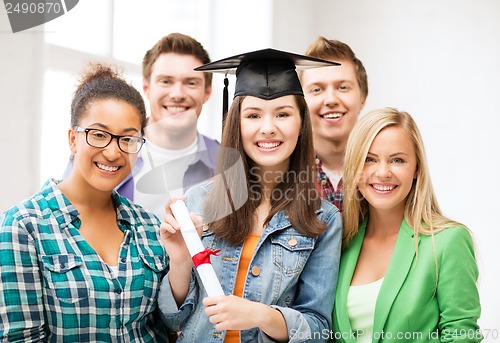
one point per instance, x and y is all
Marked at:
(55, 288)
(326, 189)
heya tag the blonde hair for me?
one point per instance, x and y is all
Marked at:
(422, 210)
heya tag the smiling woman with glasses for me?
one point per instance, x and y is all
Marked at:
(100, 139)
(80, 262)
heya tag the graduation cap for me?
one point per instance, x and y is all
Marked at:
(267, 74)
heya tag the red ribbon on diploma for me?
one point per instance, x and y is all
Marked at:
(203, 256)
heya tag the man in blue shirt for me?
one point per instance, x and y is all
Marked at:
(175, 152)
(176, 95)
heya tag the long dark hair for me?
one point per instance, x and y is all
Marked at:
(295, 194)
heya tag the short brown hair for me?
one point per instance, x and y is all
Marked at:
(179, 44)
(331, 49)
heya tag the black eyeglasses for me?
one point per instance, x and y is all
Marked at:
(98, 138)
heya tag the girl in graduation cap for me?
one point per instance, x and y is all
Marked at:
(279, 242)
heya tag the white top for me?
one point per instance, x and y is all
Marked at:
(361, 302)
(156, 202)
(114, 269)
(333, 176)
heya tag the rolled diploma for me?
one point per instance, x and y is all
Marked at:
(194, 245)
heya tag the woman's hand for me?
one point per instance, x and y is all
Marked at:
(229, 312)
(180, 262)
(170, 233)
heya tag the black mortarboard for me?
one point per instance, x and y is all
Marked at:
(266, 74)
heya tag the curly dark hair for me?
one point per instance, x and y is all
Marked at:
(104, 82)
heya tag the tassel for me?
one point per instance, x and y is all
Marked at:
(225, 99)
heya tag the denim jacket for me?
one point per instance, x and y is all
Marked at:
(297, 279)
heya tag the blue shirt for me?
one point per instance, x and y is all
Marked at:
(297, 275)
(54, 286)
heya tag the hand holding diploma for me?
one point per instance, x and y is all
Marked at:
(180, 233)
(200, 255)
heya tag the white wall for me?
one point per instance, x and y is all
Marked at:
(437, 59)
(20, 79)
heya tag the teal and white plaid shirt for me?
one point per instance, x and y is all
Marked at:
(55, 288)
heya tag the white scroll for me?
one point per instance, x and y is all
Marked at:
(200, 255)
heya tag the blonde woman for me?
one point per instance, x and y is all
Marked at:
(407, 272)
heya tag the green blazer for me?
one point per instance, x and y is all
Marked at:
(413, 305)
